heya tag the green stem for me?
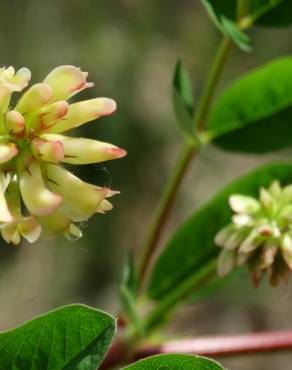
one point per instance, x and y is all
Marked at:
(164, 207)
(169, 303)
(189, 150)
(211, 83)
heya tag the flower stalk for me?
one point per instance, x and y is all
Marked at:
(188, 153)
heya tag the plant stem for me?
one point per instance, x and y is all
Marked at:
(221, 345)
(189, 150)
(211, 83)
(169, 303)
(224, 345)
(164, 207)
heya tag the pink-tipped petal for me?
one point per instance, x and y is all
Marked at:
(48, 151)
(84, 151)
(52, 113)
(38, 200)
(84, 111)
(117, 152)
(66, 81)
(14, 123)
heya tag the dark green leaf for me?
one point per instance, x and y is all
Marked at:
(213, 285)
(272, 13)
(223, 13)
(175, 362)
(183, 100)
(255, 113)
(70, 338)
(191, 249)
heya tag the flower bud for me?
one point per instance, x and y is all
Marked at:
(243, 204)
(14, 123)
(52, 113)
(85, 111)
(84, 151)
(48, 151)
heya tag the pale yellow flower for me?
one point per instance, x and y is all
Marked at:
(260, 234)
(37, 194)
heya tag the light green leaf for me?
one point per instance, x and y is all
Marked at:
(187, 257)
(183, 101)
(75, 337)
(223, 14)
(270, 13)
(175, 362)
(254, 113)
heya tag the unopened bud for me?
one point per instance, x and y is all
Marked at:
(14, 123)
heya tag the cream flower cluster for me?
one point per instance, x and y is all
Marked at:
(260, 234)
(37, 194)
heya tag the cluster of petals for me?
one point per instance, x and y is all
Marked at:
(259, 234)
(37, 194)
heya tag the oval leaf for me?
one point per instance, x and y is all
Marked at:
(73, 337)
(254, 114)
(185, 258)
(175, 362)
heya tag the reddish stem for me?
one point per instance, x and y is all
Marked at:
(224, 345)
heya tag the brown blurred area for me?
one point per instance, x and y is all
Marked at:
(130, 48)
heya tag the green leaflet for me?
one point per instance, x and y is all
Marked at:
(254, 113)
(269, 13)
(175, 362)
(72, 337)
(223, 14)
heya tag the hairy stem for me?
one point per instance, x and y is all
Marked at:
(188, 153)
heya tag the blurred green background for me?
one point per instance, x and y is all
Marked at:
(130, 48)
